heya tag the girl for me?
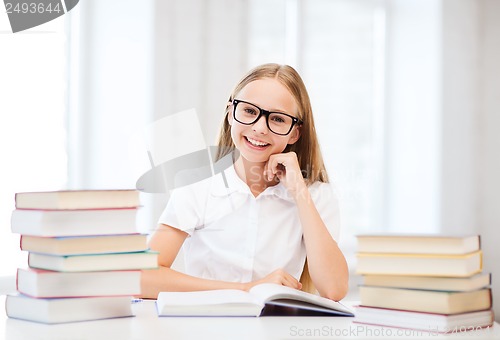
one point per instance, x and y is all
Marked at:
(265, 215)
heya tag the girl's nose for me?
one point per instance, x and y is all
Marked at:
(260, 126)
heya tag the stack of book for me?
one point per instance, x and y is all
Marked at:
(85, 255)
(431, 283)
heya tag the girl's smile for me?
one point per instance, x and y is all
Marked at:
(257, 144)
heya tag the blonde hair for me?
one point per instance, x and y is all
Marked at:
(307, 147)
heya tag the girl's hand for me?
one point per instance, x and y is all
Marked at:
(285, 167)
(279, 276)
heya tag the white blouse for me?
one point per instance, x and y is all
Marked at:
(235, 236)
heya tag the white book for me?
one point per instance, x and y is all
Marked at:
(458, 284)
(420, 264)
(51, 284)
(432, 323)
(263, 299)
(418, 243)
(63, 310)
(74, 222)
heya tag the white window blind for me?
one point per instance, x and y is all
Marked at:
(32, 114)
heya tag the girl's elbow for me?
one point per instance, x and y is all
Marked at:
(336, 295)
(337, 292)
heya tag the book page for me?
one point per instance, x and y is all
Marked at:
(208, 297)
(224, 302)
(268, 292)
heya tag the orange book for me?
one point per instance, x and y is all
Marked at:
(77, 199)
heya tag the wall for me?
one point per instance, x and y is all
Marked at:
(488, 153)
(462, 38)
(470, 183)
(413, 121)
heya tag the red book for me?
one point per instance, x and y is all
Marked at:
(51, 284)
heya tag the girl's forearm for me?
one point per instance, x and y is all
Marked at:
(154, 281)
(326, 263)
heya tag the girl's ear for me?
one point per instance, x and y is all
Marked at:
(294, 135)
(229, 116)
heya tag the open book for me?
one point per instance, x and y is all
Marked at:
(261, 300)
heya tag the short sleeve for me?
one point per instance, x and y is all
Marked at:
(327, 204)
(182, 210)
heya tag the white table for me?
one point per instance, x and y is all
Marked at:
(147, 325)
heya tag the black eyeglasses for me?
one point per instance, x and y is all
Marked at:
(277, 122)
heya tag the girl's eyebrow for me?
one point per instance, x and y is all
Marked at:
(271, 110)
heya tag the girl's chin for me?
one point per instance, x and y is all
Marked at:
(254, 151)
(254, 158)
